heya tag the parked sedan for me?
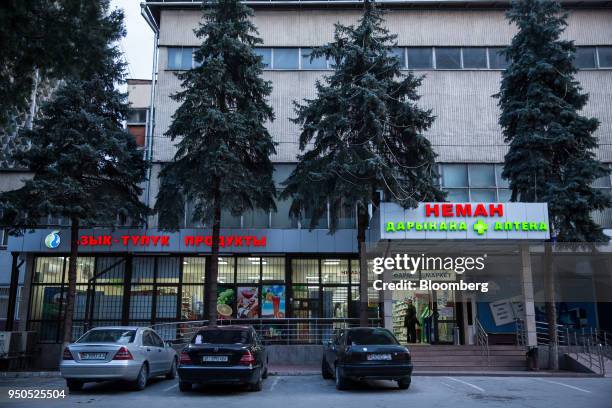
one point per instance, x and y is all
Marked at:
(366, 353)
(223, 354)
(132, 354)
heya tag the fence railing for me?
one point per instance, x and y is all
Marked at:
(272, 331)
(482, 340)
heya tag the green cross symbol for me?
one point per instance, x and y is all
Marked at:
(480, 227)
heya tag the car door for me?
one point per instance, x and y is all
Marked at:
(332, 350)
(150, 352)
(164, 359)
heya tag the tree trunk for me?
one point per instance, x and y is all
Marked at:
(72, 269)
(211, 282)
(362, 225)
(551, 309)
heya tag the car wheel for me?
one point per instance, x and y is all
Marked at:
(184, 386)
(74, 385)
(256, 386)
(265, 373)
(325, 371)
(404, 383)
(171, 375)
(341, 382)
(143, 376)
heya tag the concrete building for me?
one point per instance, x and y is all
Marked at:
(148, 276)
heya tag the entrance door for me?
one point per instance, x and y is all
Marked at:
(444, 316)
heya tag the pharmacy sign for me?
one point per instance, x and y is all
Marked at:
(464, 221)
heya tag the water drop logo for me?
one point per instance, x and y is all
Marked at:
(52, 240)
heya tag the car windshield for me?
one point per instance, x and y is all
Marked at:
(370, 337)
(221, 337)
(118, 336)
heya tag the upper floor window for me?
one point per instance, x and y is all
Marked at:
(137, 116)
(415, 58)
(181, 58)
(474, 182)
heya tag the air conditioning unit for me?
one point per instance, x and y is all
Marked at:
(10, 343)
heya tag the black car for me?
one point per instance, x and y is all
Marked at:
(223, 354)
(366, 353)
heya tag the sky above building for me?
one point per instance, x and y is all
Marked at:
(137, 46)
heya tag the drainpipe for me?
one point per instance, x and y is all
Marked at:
(148, 16)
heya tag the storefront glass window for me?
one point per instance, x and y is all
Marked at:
(110, 269)
(483, 195)
(273, 269)
(335, 271)
(141, 302)
(168, 270)
(192, 302)
(194, 270)
(143, 269)
(226, 270)
(248, 269)
(335, 302)
(85, 269)
(49, 270)
(167, 297)
(305, 271)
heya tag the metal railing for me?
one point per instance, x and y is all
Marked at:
(586, 347)
(271, 331)
(521, 333)
(482, 339)
(590, 347)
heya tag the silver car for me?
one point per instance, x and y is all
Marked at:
(132, 354)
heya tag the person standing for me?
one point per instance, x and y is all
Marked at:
(410, 322)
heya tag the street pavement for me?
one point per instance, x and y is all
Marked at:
(311, 391)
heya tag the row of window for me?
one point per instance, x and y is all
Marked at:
(416, 58)
(147, 289)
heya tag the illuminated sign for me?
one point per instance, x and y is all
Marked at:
(164, 240)
(464, 221)
(53, 240)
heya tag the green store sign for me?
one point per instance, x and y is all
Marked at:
(479, 226)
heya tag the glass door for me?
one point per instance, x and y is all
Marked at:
(444, 316)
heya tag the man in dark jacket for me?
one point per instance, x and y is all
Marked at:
(410, 322)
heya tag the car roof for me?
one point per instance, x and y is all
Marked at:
(226, 327)
(120, 328)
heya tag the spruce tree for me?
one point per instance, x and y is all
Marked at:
(86, 167)
(223, 155)
(551, 155)
(362, 133)
(51, 40)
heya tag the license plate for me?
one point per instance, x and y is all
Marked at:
(93, 356)
(378, 357)
(216, 359)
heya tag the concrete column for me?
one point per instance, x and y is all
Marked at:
(528, 297)
(25, 292)
(387, 297)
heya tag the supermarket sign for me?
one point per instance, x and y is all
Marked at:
(464, 221)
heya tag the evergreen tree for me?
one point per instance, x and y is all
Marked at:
(49, 39)
(222, 159)
(86, 167)
(364, 134)
(551, 145)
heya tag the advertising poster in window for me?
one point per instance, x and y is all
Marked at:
(52, 302)
(225, 300)
(248, 302)
(273, 301)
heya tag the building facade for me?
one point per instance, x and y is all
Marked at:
(146, 276)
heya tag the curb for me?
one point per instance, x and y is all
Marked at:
(29, 374)
(529, 374)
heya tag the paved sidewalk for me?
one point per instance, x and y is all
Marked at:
(316, 370)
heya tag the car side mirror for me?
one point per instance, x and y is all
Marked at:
(167, 343)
